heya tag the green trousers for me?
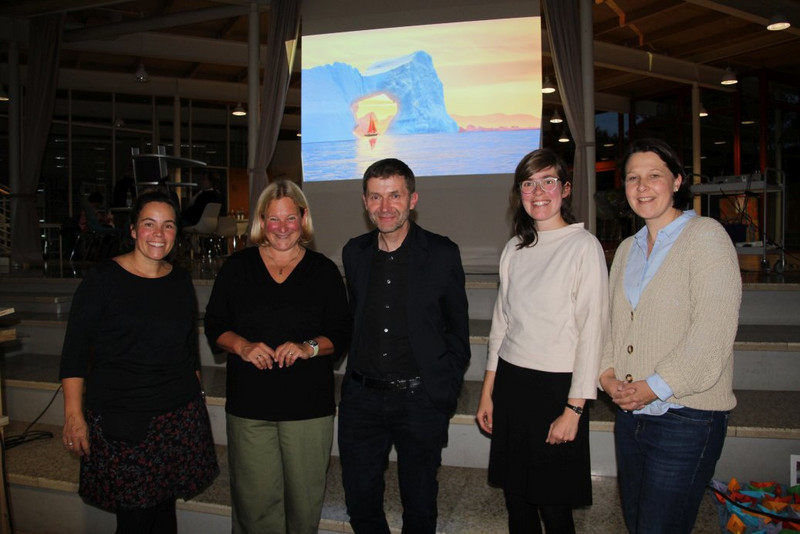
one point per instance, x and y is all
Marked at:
(277, 474)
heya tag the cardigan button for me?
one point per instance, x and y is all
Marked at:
(630, 349)
(631, 316)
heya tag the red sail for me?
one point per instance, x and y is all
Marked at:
(372, 131)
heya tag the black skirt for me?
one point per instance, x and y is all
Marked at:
(526, 402)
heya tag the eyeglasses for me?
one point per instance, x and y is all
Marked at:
(548, 185)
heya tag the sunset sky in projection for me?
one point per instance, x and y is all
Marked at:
(486, 67)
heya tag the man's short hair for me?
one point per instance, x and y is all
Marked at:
(386, 168)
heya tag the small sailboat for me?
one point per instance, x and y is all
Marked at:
(372, 131)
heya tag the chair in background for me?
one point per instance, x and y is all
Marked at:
(99, 241)
(228, 235)
(202, 235)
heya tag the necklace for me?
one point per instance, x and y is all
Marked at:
(285, 265)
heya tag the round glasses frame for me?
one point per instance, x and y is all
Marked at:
(547, 185)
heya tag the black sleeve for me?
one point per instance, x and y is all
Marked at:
(338, 322)
(219, 312)
(86, 313)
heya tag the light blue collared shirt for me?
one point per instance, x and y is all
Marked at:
(638, 273)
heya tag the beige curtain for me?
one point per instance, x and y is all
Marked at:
(563, 30)
(284, 26)
(40, 97)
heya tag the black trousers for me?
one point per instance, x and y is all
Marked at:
(160, 519)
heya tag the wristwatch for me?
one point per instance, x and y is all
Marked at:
(314, 346)
(577, 409)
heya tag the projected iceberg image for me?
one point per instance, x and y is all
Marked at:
(433, 107)
(410, 82)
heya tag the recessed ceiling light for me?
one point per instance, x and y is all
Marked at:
(778, 22)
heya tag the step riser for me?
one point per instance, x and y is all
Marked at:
(744, 457)
(770, 307)
(52, 305)
(766, 370)
(43, 510)
(467, 447)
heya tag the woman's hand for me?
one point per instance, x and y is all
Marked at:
(76, 434)
(259, 354)
(633, 396)
(290, 352)
(486, 404)
(484, 415)
(564, 428)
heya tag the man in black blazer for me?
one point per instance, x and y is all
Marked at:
(408, 355)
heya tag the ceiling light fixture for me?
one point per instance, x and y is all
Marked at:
(547, 86)
(239, 110)
(119, 123)
(3, 95)
(729, 78)
(556, 118)
(778, 22)
(703, 112)
(564, 138)
(141, 74)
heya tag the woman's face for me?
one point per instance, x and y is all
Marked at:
(282, 224)
(542, 206)
(650, 186)
(155, 231)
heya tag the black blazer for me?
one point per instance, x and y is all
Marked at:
(438, 323)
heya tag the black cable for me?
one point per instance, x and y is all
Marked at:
(27, 435)
(745, 507)
(9, 511)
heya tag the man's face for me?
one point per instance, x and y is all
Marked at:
(389, 203)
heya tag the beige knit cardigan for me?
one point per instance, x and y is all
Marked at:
(685, 323)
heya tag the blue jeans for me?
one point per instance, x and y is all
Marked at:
(370, 422)
(664, 464)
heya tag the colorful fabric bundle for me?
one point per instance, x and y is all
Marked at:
(757, 507)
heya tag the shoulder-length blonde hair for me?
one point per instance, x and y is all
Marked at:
(276, 191)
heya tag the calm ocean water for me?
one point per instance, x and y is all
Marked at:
(427, 154)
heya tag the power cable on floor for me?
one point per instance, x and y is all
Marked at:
(29, 435)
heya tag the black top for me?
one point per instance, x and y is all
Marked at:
(311, 302)
(383, 350)
(134, 340)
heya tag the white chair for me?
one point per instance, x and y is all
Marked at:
(227, 230)
(206, 227)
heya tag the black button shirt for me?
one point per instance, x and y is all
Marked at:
(383, 350)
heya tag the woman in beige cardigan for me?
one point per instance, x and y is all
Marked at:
(675, 290)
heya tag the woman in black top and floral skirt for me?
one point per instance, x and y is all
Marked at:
(141, 428)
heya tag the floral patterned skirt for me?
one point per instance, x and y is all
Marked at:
(175, 459)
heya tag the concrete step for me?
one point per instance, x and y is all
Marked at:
(764, 428)
(21, 301)
(43, 481)
(766, 356)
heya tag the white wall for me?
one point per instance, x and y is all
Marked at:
(471, 210)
